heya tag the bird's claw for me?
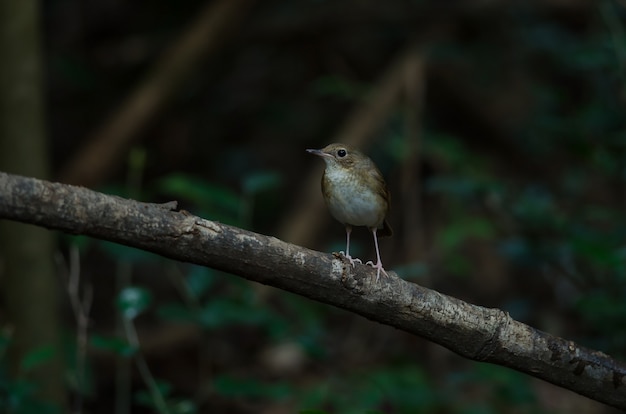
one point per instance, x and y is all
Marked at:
(379, 267)
(351, 259)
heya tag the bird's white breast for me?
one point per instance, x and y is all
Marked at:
(353, 201)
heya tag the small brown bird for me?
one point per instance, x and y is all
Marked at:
(356, 194)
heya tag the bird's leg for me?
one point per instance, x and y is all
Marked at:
(347, 255)
(379, 264)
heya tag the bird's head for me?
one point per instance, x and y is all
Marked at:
(339, 156)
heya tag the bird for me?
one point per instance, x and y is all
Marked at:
(356, 194)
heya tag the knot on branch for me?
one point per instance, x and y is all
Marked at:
(500, 323)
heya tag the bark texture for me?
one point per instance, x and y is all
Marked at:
(475, 332)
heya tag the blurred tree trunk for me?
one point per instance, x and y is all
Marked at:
(27, 276)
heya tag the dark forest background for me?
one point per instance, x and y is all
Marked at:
(499, 126)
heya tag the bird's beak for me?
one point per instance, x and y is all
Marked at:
(317, 152)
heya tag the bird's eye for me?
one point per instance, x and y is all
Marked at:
(342, 153)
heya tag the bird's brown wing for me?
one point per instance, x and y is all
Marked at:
(383, 191)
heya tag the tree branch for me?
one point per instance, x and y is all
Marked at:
(478, 333)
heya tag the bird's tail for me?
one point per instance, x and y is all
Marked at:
(386, 230)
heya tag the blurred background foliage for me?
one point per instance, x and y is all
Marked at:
(505, 156)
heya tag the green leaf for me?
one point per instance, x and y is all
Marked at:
(452, 151)
(174, 405)
(407, 384)
(458, 232)
(38, 356)
(316, 394)
(80, 242)
(183, 406)
(223, 312)
(246, 388)
(117, 346)
(199, 191)
(21, 397)
(132, 301)
(178, 312)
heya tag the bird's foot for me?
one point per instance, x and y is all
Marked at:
(379, 267)
(351, 259)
